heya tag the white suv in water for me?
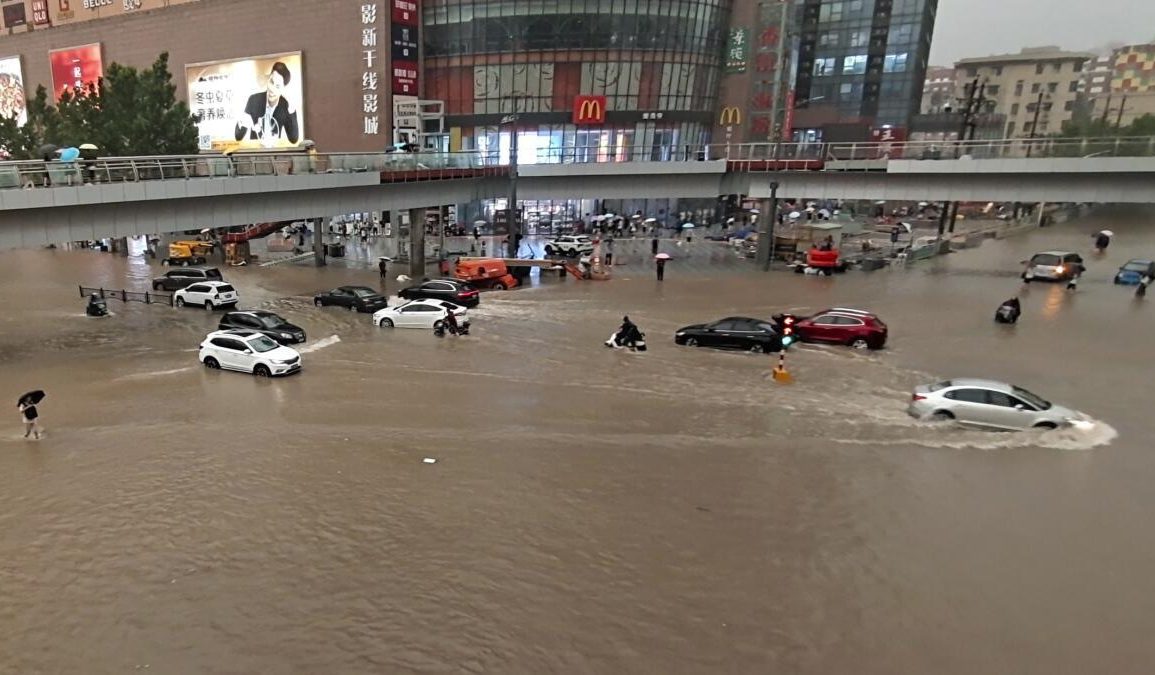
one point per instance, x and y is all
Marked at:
(209, 294)
(570, 245)
(249, 352)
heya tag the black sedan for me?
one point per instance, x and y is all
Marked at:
(353, 298)
(449, 290)
(734, 332)
(266, 323)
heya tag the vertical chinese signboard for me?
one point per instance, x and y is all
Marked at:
(404, 52)
(737, 50)
(75, 68)
(370, 95)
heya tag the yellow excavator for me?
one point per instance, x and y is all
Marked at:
(185, 253)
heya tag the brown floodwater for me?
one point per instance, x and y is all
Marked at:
(590, 511)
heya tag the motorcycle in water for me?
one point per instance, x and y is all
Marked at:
(636, 342)
(440, 329)
(1008, 312)
(96, 306)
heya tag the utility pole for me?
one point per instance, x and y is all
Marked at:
(512, 211)
(1034, 124)
(974, 102)
(1119, 117)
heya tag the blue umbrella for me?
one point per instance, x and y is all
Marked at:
(69, 154)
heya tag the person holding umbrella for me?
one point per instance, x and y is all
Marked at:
(660, 263)
(29, 414)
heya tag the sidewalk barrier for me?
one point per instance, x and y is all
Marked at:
(127, 296)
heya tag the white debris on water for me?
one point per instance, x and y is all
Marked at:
(320, 344)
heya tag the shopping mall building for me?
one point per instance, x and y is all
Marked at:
(580, 80)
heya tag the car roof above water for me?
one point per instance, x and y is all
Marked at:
(980, 383)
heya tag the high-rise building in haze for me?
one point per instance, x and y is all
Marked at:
(861, 65)
(1037, 89)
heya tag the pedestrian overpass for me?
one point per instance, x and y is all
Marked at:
(53, 202)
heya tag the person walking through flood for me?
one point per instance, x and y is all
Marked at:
(661, 268)
(29, 416)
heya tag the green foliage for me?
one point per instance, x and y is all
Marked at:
(129, 112)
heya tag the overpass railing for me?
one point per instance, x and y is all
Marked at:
(39, 173)
(425, 165)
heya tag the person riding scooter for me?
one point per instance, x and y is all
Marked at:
(96, 306)
(1102, 241)
(628, 335)
(1009, 311)
(449, 324)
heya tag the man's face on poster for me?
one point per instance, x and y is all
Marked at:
(275, 86)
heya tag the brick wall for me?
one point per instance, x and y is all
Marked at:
(326, 32)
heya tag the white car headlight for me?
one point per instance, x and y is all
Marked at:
(680, 333)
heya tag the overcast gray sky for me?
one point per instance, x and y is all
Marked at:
(983, 27)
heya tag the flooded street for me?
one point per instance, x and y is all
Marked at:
(591, 511)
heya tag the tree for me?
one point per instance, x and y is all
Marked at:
(129, 112)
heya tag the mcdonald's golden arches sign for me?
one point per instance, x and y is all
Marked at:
(589, 109)
(731, 115)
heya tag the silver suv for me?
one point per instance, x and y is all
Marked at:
(185, 277)
(988, 404)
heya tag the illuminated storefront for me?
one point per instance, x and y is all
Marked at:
(649, 69)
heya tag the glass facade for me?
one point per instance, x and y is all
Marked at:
(866, 59)
(657, 62)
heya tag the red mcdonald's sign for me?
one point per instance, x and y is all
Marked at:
(589, 109)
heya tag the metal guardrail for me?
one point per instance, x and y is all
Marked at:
(127, 296)
(434, 165)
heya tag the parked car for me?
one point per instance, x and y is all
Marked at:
(1052, 266)
(734, 332)
(177, 279)
(267, 323)
(570, 245)
(988, 404)
(1131, 273)
(419, 314)
(249, 352)
(451, 290)
(352, 298)
(854, 327)
(209, 294)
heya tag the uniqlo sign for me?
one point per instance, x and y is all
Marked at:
(405, 12)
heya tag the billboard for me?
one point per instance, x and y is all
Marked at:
(254, 102)
(12, 102)
(75, 68)
(589, 109)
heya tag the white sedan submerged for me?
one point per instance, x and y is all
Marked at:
(424, 313)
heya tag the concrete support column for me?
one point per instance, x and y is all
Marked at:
(767, 219)
(319, 242)
(417, 243)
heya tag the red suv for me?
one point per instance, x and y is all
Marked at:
(854, 327)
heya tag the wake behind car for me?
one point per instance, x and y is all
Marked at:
(1052, 266)
(734, 332)
(570, 245)
(842, 326)
(249, 352)
(988, 404)
(177, 279)
(450, 290)
(209, 294)
(1133, 272)
(426, 313)
(267, 323)
(353, 298)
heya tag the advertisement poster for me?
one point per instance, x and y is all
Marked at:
(12, 102)
(737, 50)
(255, 102)
(75, 68)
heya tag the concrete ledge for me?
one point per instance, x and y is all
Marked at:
(1039, 165)
(714, 167)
